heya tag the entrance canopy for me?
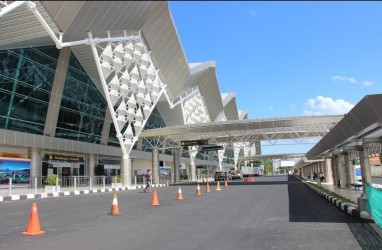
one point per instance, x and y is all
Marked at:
(360, 128)
(271, 130)
(271, 156)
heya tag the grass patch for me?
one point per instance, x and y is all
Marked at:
(324, 190)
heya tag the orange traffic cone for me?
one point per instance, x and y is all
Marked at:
(33, 227)
(198, 191)
(154, 199)
(114, 206)
(179, 195)
(208, 188)
(218, 187)
(226, 184)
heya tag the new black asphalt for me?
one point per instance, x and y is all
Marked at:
(272, 213)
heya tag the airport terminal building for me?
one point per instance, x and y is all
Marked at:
(80, 80)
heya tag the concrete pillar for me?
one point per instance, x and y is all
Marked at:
(349, 170)
(91, 165)
(176, 155)
(106, 127)
(334, 170)
(188, 171)
(328, 170)
(56, 93)
(365, 167)
(342, 170)
(126, 171)
(193, 152)
(36, 167)
(155, 164)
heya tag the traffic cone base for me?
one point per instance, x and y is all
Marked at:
(114, 207)
(218, 187)
(154, 199)
(179, 195)
(33, 227)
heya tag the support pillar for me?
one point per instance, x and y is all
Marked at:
(334, 169)
(126, 171)
(188, 171)
(365, 168)
(349, 170)
(328, 170)
(155, 164)
(36, 168)
(193, 152)
(342, 171)
(106, 127)
(176, 155)
(91, 165)
(57, 91)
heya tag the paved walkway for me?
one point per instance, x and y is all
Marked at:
(348, 193)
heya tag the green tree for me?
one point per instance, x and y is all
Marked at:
(268, 167)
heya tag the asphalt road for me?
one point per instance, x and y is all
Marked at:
(272, 213)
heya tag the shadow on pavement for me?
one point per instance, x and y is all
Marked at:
(306, 206)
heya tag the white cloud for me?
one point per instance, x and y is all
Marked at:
(344, 79)
(327, 106)
(368, 83)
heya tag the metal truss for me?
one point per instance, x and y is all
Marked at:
(274, 131)
(131, 84)
(8, 6)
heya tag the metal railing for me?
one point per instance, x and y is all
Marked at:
(37, 185)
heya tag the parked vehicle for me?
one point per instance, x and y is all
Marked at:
(252, 171)
(219, 176)
(236, 174)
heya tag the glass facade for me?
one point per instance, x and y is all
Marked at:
(155, 121)
(26, 78)
(82, 110)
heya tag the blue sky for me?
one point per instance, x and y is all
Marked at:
(287, 58)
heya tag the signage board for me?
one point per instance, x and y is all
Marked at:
(193, 143)
(67, 158)
(211, 147)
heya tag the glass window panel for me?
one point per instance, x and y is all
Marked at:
(26, 78)
(82, 108)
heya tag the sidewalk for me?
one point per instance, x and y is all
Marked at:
(28, 193)
(348, 193)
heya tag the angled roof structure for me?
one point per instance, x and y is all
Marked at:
(230, 107)
(75, 18)
(363, 124)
